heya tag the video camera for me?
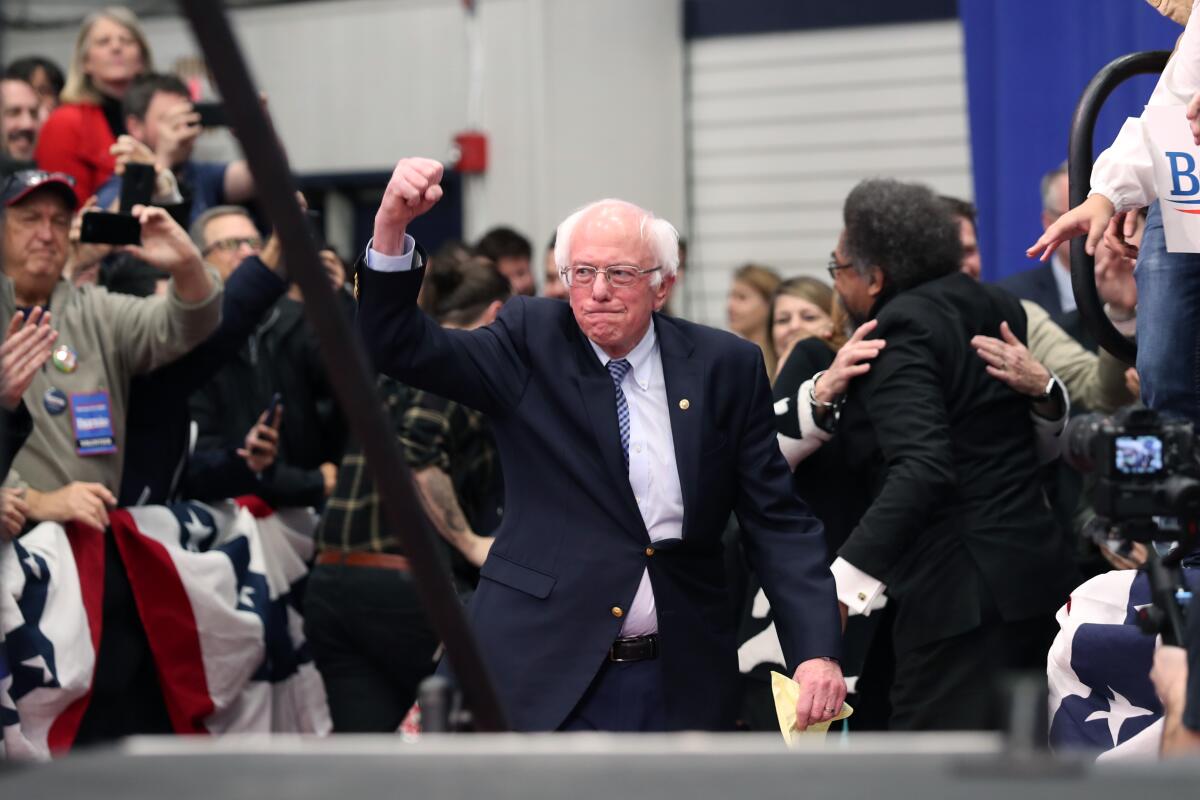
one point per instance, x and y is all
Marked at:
(1147, 489)
(1145, 465)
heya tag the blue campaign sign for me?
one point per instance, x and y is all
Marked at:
(91, 417)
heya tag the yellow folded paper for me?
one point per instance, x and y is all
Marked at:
(787, 692)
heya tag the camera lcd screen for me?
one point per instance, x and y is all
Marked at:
(1138, 455)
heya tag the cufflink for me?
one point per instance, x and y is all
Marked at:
(862, 597)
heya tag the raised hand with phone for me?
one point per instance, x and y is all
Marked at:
(167, 246)
(262, 442)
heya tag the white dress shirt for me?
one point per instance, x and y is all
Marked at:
(1124, 172)
(1062, 282)
(653, 474)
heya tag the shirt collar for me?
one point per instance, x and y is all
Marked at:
(639, 357)
(1062, 281)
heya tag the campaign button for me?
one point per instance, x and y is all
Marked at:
(64, 359)
(55, 401)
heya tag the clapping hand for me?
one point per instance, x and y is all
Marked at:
(26, 347)
(1009, 360)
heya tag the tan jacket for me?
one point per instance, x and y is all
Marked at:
(114, 337)
(1096, 383)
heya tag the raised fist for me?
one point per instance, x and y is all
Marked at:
(415, 188)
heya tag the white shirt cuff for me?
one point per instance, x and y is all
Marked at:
(861, 593)
(1049, 431)
(384, 263)
(808, 424)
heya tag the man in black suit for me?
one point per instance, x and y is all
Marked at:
(957, 532)
(626, 438)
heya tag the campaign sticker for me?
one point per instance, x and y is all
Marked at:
(54, 401)
(91, 417)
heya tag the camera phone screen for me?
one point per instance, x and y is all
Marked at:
(1138, 455)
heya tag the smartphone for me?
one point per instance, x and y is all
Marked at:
(137, 186)
(273, 406)
(102, 227)
(271, 409)
(212, 115)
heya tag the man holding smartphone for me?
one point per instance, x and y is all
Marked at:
(163, 127)
(72, 462)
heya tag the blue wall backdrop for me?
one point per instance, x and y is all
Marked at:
(1027, 63)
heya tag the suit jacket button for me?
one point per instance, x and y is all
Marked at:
(617, 612)
(649, 551)
(684, 405)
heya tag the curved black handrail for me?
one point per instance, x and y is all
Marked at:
(1079, 177)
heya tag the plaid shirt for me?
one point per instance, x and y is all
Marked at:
(433, 432)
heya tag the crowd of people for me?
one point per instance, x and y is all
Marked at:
(861, 478)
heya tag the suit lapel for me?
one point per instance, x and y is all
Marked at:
(599, 400)
(684, 377)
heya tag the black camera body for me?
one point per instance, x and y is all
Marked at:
(1144, 463)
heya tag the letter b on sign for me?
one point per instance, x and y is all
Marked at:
(1183, 174)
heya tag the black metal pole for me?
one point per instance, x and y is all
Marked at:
(1079, 177)
(348, 368)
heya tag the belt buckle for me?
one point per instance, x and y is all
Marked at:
(646, 648)
(612, 655)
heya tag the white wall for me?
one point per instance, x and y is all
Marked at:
(582, 99)
(782, 126)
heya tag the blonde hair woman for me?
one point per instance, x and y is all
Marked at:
(748, 307)
(110, 51)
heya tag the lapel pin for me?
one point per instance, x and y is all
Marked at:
(64, 359)
(684, 404)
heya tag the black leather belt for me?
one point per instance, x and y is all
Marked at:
(637, 648)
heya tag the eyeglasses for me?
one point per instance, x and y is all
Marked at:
(234, 243)
(834, 266)
(617, 275)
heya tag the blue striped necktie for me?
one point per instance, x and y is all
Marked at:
(618, 369)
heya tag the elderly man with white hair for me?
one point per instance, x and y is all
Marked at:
(626, 439)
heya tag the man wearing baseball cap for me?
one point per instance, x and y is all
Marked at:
(71, 464)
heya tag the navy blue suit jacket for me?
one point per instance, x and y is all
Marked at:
(1038, 285)
(572, 545)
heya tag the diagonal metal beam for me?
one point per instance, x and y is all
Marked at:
(348, 368)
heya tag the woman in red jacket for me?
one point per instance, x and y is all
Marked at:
(110, 52)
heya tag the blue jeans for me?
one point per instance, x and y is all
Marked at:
(1168, 324)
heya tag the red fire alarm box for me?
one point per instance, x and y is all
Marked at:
(472, 152)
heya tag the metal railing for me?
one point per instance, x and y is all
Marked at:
(1079, 178)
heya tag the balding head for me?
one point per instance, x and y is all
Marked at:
(620, 263)
(633, 222)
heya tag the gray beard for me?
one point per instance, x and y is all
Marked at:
(853, 319)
